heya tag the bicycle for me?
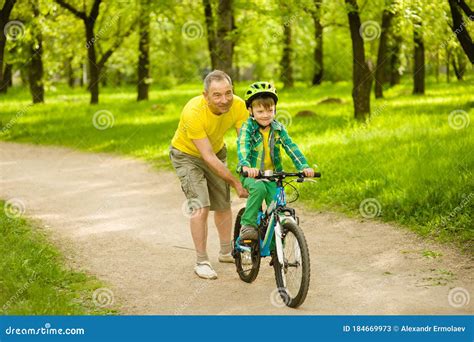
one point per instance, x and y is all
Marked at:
(281, 238)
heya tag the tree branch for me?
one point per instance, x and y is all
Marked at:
(95, 10)
(79, 14)
(115, 46)
(466, 9)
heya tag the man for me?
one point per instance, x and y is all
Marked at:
(198, 154)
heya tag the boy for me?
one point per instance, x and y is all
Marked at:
(258, 149)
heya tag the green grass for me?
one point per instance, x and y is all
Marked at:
(417, 167)
(34, 280)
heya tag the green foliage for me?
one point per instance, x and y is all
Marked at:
(179, 52)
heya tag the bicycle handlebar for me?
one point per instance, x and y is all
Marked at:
(281, 175)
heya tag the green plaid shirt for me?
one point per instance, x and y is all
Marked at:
(250, 146)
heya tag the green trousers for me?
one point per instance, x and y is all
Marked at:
(258, 192)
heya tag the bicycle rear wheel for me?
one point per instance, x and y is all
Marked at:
(246, 263)
(292, 278)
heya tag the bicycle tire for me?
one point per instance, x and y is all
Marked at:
(295, 299)
(247, 273)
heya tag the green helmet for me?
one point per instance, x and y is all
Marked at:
(258, 89)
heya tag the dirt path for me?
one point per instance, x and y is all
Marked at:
(120, 220)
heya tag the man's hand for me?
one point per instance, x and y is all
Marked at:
(308, 172)
(252, 172)
(241, 191)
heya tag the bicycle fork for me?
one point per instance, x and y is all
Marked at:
(279, 236)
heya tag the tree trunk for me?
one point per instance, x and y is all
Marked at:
(318, 50)
(459, 66)
(395, 59)
(382, 53)
(286, 63)
(211, 33)
(35, 70)
(4, 16)
(69, 72)
(221, 46)
(8, 75)
(94, 71)
(448, 72)
(419, 59)
(224, 45)
(459, 27)
(143, 51)
(361, 73)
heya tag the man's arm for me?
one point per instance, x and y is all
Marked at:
(205, 148)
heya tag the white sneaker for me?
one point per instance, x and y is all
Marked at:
(228, 258)
(204, 270)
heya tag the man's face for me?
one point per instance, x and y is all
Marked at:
(219, 97)
(263, 115)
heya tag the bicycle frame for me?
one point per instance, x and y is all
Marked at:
(273, 233)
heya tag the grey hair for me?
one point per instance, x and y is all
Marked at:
(216, 75)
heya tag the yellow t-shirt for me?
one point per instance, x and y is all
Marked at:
(267, 161)
(198, 122)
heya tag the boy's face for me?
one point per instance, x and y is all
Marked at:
(263, 114)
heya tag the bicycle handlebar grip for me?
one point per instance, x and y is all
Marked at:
(245, 173)
(317, 174)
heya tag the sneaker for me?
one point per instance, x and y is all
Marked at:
(204, 270)
(248, 233)
(226, 258)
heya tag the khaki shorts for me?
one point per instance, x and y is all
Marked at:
(201, 186)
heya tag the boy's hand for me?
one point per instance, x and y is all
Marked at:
(252, 172)
(308, 172)
(241, 191)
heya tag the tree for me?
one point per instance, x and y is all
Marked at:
(382, 51)
(459, 26)
(361, 73)
(95, 66)
(4, 17)
(143, 50)
(286, 62)
(419, 56)
(219, 34)
(318, 49)
(35, 70)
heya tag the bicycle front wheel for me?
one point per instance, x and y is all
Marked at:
(292, 278)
